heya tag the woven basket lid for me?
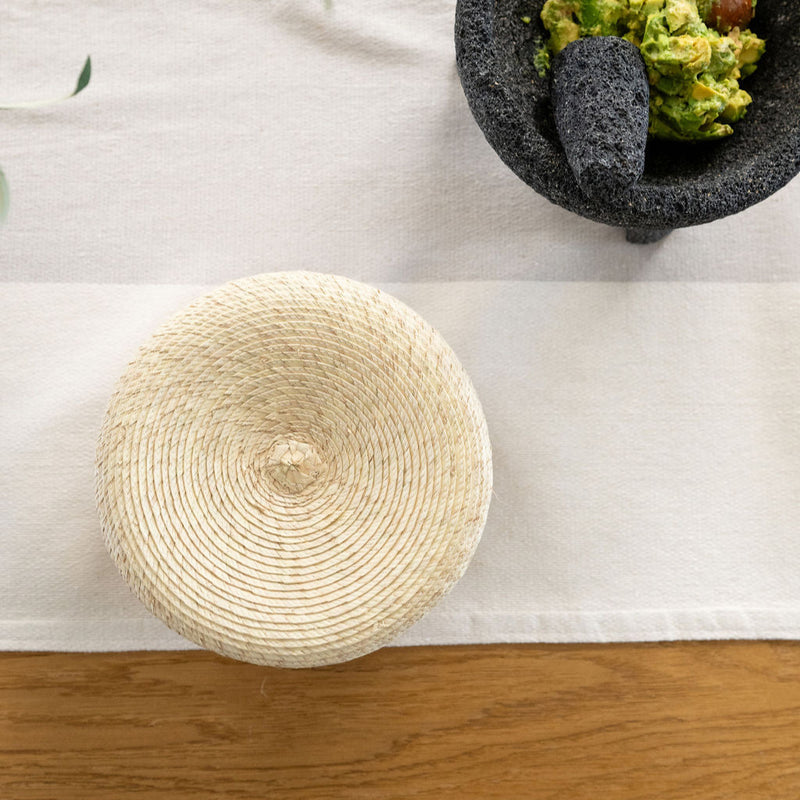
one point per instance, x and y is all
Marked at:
(294, 469)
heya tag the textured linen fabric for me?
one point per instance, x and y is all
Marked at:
(643, 402)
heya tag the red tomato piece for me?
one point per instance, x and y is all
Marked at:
(727, 14)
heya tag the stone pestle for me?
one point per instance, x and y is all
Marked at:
(601, 105)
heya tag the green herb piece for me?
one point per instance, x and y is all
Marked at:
(83, 82)
(541, 61)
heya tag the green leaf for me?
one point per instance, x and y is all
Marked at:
(83, 82)
(84, 77)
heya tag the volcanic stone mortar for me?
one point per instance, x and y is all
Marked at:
(683, 184)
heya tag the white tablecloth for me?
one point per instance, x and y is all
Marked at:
(643, 402)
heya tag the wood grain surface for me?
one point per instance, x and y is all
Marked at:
(617, 722)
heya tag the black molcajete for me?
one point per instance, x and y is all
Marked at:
(682, 184)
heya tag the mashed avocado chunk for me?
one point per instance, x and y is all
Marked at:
(693, 69)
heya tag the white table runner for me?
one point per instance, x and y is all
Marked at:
(643, 402)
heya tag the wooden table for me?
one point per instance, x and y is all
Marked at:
(594, 722)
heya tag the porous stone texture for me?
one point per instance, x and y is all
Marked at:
(682, 184)
(600, 103)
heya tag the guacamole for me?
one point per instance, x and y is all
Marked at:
(693, 69)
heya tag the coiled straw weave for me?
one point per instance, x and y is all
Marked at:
(293, 470)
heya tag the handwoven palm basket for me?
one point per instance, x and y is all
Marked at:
(293, 470)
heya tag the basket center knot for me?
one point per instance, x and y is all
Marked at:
(293, 465)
